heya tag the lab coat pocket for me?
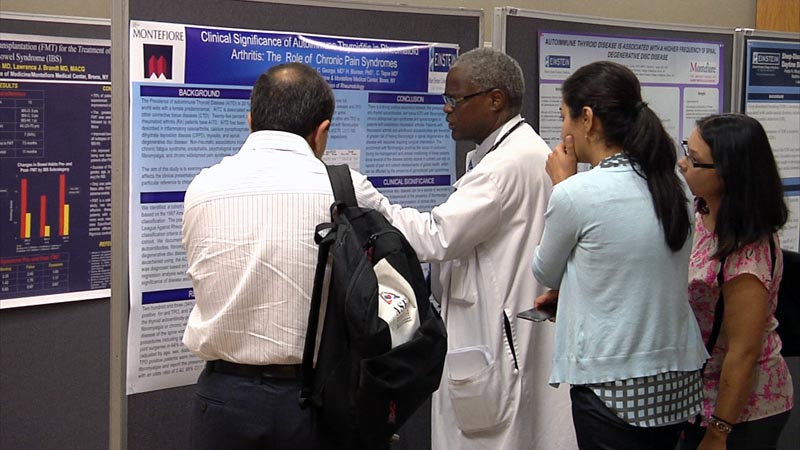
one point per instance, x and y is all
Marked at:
(477, 389)
(463, 286)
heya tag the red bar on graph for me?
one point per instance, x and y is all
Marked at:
(42, 214)
(62, 186)
(23, 206)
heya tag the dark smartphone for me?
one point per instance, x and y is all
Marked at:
(537, 314)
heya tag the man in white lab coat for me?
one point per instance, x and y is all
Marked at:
(494, 393)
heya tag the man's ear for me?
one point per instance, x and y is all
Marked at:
(318, 138)
(499, 99)
(250, 122)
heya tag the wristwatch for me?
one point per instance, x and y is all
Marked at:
(721, 425)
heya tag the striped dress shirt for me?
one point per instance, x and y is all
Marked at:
(248, 232)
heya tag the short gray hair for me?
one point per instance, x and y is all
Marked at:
(487, 68)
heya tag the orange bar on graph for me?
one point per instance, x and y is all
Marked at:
(23, 207)
(42, 214)
(62, 188)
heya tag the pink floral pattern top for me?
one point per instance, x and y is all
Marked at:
(772, 393)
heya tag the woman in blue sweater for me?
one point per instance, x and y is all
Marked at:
(615, 251)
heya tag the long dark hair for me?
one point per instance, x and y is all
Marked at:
(614, 94)
(752, 205)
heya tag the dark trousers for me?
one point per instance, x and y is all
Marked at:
(232, 412)
(598, 428)
(761, 434)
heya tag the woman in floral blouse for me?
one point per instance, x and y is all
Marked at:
(731, 170)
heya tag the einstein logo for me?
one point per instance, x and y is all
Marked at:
(766, 59)
(157, 61)
(559, 62)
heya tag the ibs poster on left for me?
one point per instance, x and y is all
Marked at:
(55, 169)
(190, 89)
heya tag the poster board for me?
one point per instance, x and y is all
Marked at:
(386, 23)
(186, 116)
(55, 161)
(685, 71)
(62, 336)
(768, 89)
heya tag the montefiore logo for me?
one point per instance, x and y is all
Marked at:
(558, 62)
(157, 61)
(766, 59)
(702, 67)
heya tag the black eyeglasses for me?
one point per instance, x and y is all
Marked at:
(699, 165)
(453, 101)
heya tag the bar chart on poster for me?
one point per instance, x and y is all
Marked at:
(41, 211)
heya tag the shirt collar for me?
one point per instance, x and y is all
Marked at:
(615, 160)
(277, 140)
(487, 143)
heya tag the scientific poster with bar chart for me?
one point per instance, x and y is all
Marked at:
(55, 169)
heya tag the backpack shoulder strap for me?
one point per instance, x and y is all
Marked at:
(772, 254)
(325, 236)
(342, 184)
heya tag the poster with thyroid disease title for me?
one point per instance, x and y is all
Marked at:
(681, 80)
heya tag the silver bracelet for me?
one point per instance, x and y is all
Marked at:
(721, 425)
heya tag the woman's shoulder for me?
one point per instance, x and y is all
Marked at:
(754, 258)
(592, 185)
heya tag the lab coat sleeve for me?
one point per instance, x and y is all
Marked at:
(560, 236)
(471, 215)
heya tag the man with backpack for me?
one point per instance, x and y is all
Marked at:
(494, 392)
(248, 232)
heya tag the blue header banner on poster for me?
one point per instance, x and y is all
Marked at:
(410, 181)
(345, 63)
(162, 197)
(162, 91)
(406, 98)
(170, 295)
(773, 70)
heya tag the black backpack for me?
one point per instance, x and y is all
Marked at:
(788, 309)
(363, 388)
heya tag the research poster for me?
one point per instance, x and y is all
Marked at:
(772, 96)
(189, 91)
(55, 169)
(682, 81)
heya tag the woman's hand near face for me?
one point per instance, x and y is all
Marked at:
(562, 162)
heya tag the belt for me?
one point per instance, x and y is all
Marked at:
(282, 371)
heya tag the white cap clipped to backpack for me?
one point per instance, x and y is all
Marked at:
(397, 303)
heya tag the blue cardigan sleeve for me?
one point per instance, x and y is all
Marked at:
(561, 234)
